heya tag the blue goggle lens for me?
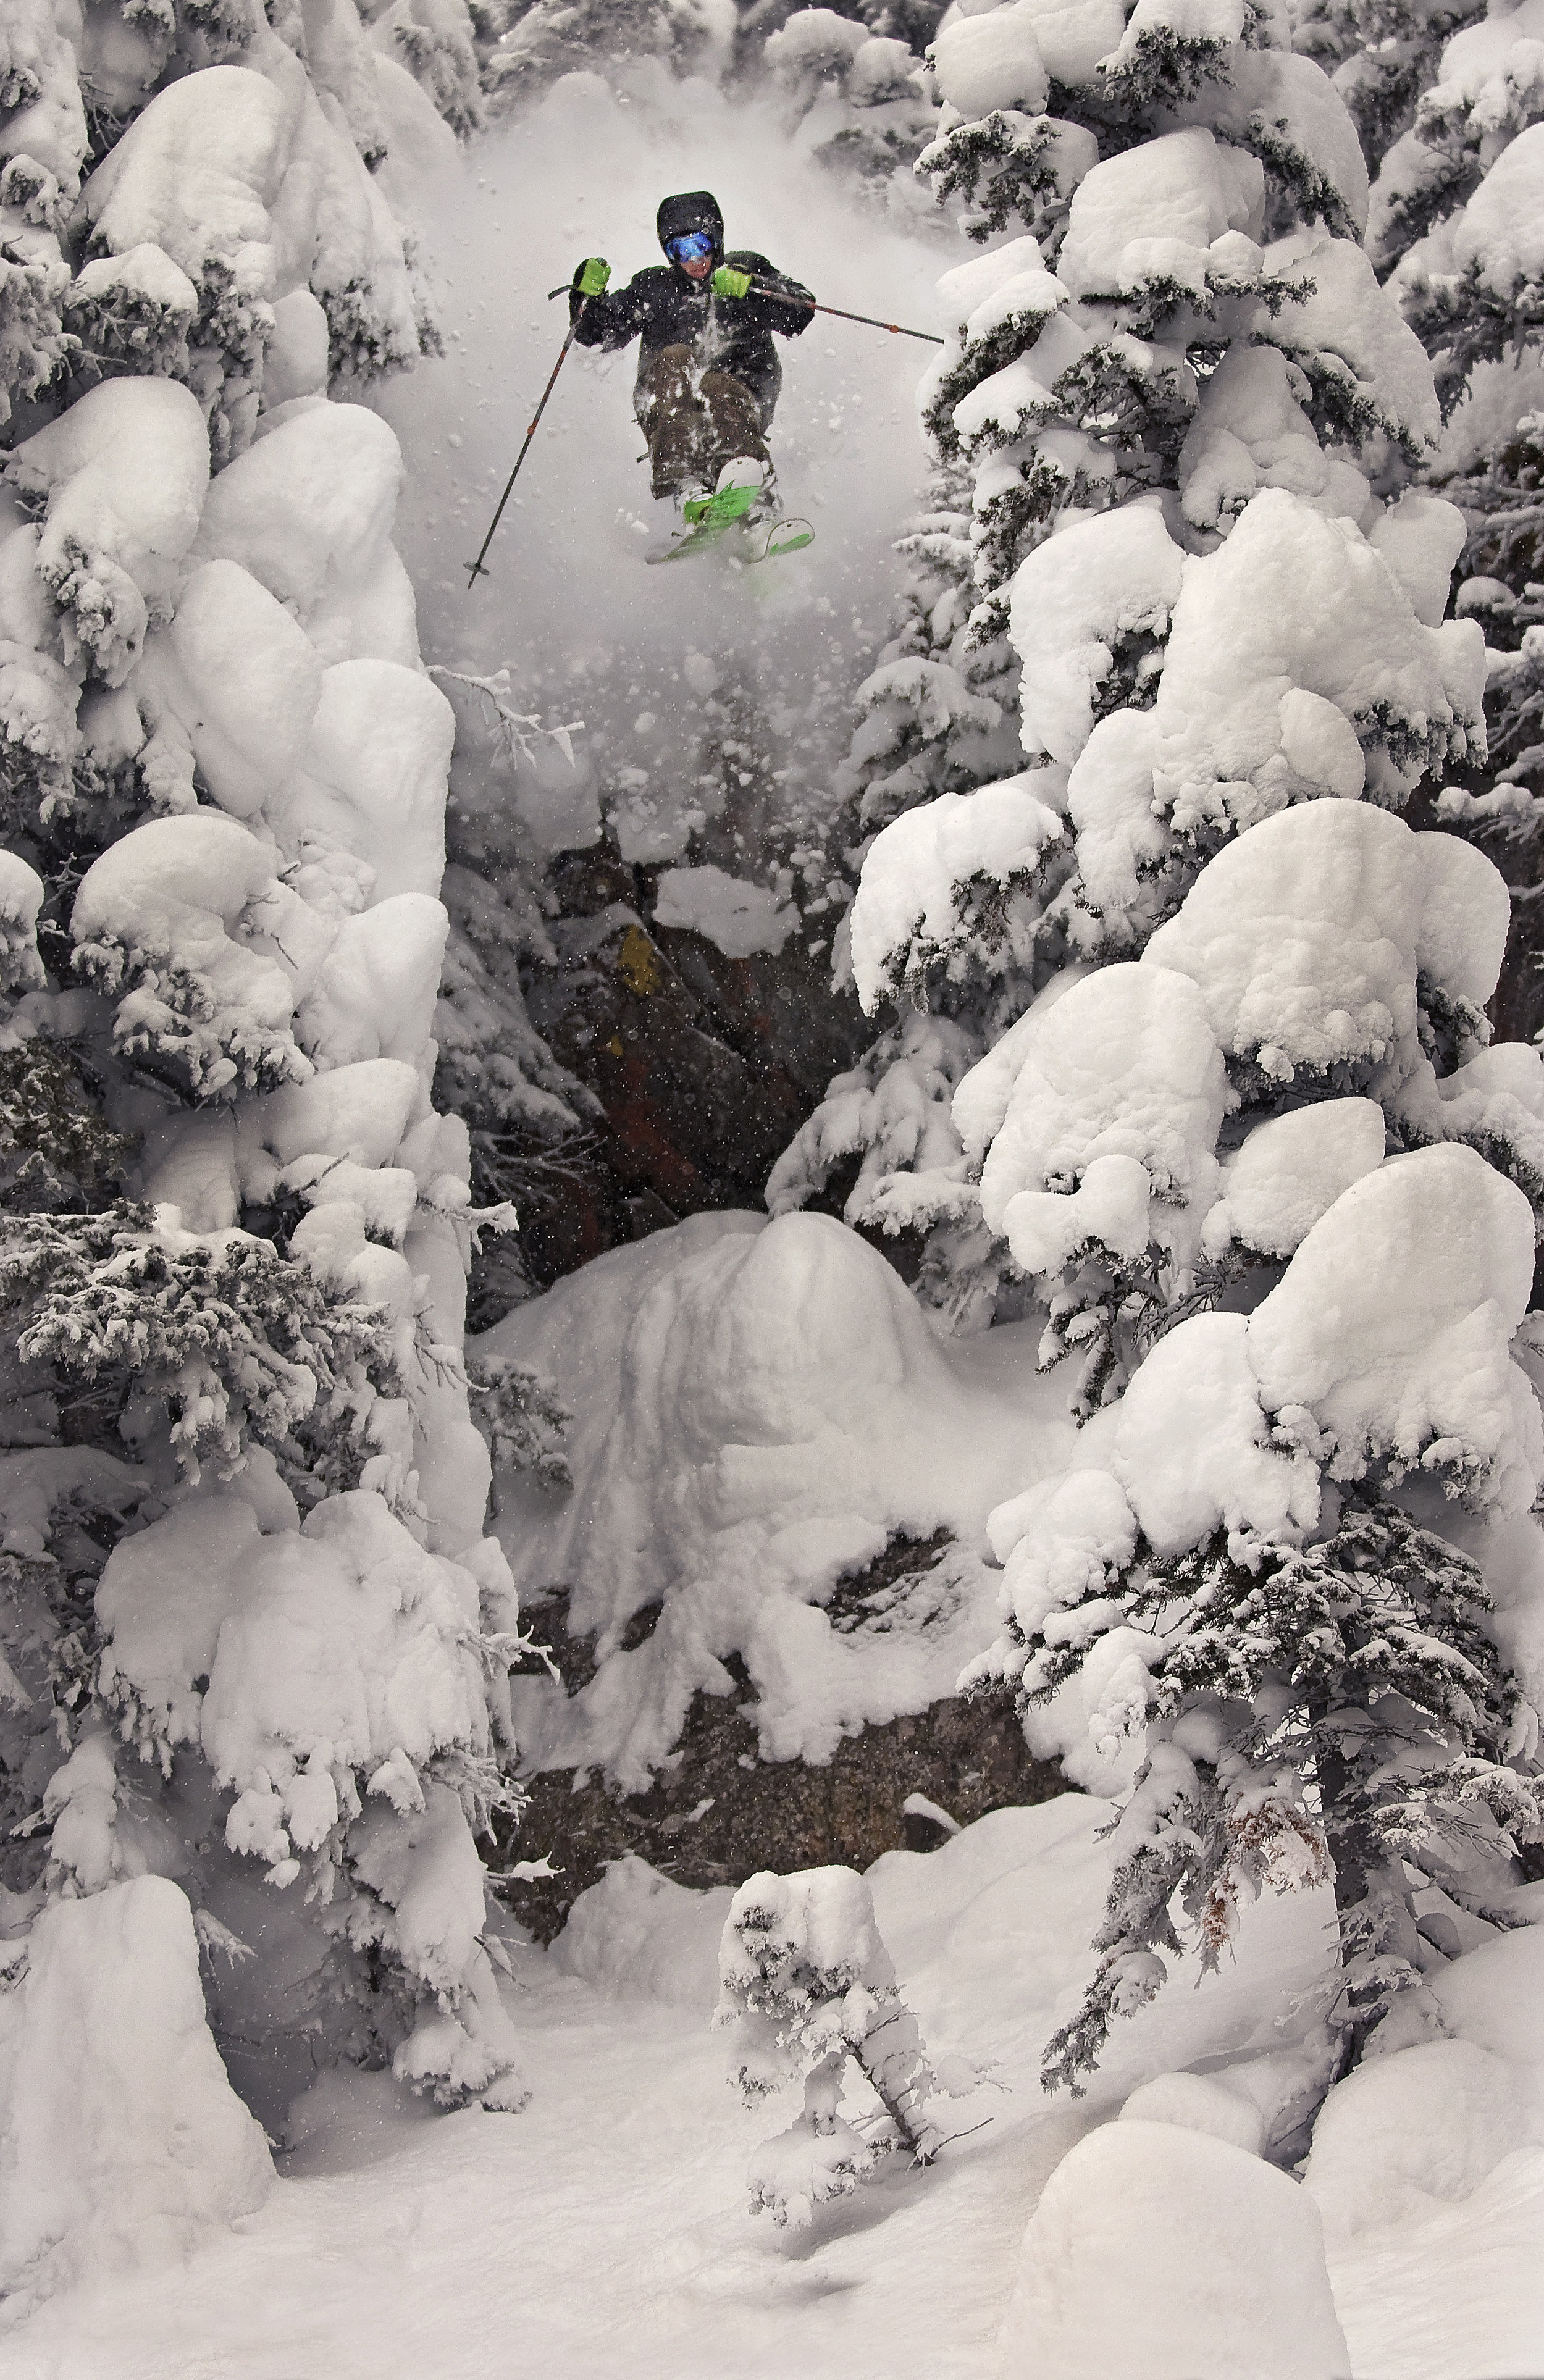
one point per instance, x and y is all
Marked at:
(689, 247)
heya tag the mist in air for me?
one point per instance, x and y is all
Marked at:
(654, 659)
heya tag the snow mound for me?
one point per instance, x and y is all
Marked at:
(123, 2142)
(1495, 1997)
(1198, 2103)
(759, 1407)
(1418, 2128)
(1156, 2233)
(738, 917)
(637, 1932)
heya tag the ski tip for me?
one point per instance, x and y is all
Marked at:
(786, 537)
(729, 537)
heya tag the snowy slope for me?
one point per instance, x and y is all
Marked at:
(604, 2228)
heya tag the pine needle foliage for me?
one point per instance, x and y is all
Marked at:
(234, 1339)
(1341, 1701)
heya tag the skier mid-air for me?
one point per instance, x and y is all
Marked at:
(708, 374)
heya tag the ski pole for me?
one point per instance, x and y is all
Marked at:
(758, 290)
(475, 569)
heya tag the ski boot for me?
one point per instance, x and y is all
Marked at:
(744, 492)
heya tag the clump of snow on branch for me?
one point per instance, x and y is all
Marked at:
(945, 882)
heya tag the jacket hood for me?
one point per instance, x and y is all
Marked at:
(691, 211)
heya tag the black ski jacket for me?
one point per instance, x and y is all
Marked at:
(665, 308)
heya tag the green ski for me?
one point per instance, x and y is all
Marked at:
(711, 518)
(717, 512)
(786, 537)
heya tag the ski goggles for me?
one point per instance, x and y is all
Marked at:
(689, 247)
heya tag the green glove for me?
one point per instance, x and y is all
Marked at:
(727, 282)
(594, 274)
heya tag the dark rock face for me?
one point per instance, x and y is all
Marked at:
(721, 1813)
(704, 1067)
(718, 1812)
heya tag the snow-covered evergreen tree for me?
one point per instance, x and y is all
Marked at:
(1500, 806)
(1233, 1004)
(1187, 321)
(806, 1984)
(1451, 220)
(856, 98)
(937, 714)
(1479, 94)
(550, 38)
(249, 1611)
(444, 46)
(1249, 1567)
(1381, 56)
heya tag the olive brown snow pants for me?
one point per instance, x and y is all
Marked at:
(695, 421)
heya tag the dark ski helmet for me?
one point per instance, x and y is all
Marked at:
(691, 211)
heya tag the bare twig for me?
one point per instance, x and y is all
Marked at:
(515, 732)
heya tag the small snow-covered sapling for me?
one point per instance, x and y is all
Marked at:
(807, 1982)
